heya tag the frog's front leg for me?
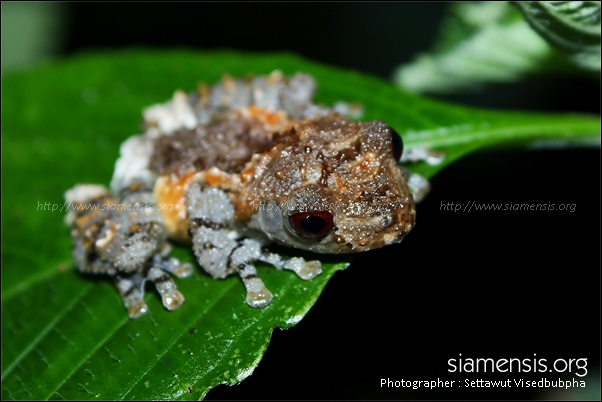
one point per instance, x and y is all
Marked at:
(220, 253)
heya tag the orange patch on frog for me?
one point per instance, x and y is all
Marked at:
(169, 192)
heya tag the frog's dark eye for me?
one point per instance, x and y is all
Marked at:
(311, 223)
(396, 144)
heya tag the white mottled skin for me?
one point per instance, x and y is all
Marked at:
(132, 165)
(164, 119)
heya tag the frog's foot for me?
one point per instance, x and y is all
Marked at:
(248, 250)
(131, 286)
(257, 294)
(305, 269)
(419, 185)
(427, 155)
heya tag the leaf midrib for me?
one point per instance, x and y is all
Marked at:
(468, 136)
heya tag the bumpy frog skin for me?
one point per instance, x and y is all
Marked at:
(231, 168)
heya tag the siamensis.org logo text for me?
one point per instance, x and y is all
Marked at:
(577, 366)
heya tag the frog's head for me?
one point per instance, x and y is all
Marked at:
(332, 186)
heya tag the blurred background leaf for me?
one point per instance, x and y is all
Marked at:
(491, 42)
(31, 32)
(571, 26)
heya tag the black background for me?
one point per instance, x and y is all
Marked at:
(483, 284)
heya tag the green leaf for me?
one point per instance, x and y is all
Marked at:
(481, 43)
(66, 335)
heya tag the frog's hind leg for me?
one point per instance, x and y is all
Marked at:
(127, 240)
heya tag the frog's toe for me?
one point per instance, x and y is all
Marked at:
(171, 297)
(258, 295)
(173, 265)
(184, 270)
(137, 309)
(305, 269)
(131, 290)
(173, 300)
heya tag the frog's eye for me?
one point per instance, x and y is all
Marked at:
(312, 223)
(396, 144)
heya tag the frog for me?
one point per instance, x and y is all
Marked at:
(231, 168)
